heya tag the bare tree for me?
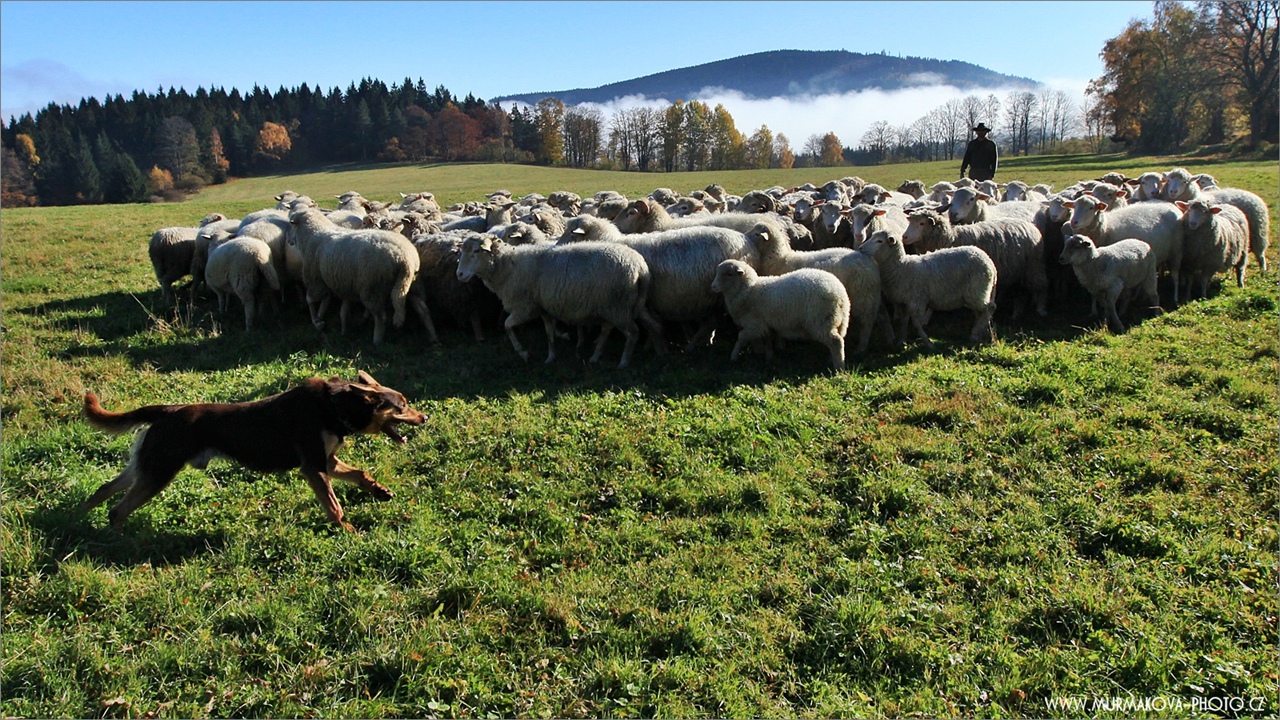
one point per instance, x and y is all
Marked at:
(583, 135)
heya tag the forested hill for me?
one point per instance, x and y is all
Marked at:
(790, 73)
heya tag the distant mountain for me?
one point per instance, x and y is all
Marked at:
(791, 73)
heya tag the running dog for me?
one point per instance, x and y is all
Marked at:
(299, 428)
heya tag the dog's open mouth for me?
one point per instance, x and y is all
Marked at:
(389, 427)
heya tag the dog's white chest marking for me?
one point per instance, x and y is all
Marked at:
(331, 443)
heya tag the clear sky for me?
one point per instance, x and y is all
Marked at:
(63, 51)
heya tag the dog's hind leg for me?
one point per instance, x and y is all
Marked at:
(149, 484)
(343, 471)
(324, 493)
(125, 479)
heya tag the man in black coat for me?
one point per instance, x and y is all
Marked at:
(980, 157)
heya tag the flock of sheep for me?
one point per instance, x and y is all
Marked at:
(805, 263)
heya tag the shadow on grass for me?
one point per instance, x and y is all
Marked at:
(195, 338)
(70, 533)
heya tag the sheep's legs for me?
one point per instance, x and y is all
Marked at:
(632, 333)
(510, 324)
(835, 344)
(420, 308)
(250, 311)
(379, 324)
(600, 341)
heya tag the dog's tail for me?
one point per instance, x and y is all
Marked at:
(116, 423)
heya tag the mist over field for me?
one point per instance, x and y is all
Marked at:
(848, 115)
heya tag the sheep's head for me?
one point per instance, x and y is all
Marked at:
(914, 188)
(768, 239)
(1197, 212)
(477, 256)
(1178, 185)
(1075, 248)
(881, 244)
(731, 274)
(1108, 193)
(1085, 212)
(920, 223)
(1057, 209)
(964, 205)
(860, 217)
(1015, 190)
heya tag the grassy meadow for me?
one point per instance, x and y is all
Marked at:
(1065, 514)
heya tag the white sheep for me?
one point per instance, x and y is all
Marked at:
(1111, 272)
(241, 266)
(1217, 239)
(1180, 185)
(947, 279)
(970, 206)
(1150, 186)
(1115, 196)
(866, 220)
(1157, 224)
(873, 194)
(1016, 190)
(941, 192)
(590, 283)
(682, 262)
(644, 216)
(200, 252)
(858, 273)
(373, 267)
(1015, 246)
(804, 304)
(914, 188)
(171, 250)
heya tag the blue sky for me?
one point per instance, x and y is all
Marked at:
(63, 51)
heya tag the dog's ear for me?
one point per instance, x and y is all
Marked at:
(367, 379)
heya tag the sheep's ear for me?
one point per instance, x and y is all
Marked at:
(1122, 193)
(279, 198)
(846, 211)
(1069, 204)
(816, 203)
(1181, 205)
(579, 231)
(878, 212)
(1215, 210)
(1102, 206)
(983, 196)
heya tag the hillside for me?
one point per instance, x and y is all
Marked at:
(790, 73)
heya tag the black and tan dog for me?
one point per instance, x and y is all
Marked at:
(299, 428)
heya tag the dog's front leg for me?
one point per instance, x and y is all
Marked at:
(343, 471)
(324, 493)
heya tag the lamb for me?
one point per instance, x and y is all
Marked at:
(857, 272)
(866, 220)
(1179, 185)
(1108, 272)
(1157, 224)
(946, 279)
(806, 304)
(240, 266)
(1014, 246)
(681, 261)
(579, 284)
(374, 267)
(467, 303)
(941, 192)
(1150, 186)
(1217, 238)
(171, 250)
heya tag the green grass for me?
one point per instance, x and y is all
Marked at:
(1064, 513)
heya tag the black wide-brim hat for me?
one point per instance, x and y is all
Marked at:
(981, 128)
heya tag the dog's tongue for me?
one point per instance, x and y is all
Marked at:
(390, 431)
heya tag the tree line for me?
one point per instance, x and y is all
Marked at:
(1194, 74)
